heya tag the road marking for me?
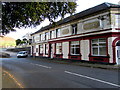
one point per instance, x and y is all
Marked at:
(12, 77)
(92, 78)
(35, 64)
(41, 65)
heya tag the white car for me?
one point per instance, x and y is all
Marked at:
(22, 54)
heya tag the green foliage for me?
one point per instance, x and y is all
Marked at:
(18, 41)
(31, 14)
(22, 42)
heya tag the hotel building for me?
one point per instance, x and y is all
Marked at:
(91, 35)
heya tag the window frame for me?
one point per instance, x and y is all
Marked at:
(46, 35)
(98, 47)
(74, 29)
(40, 37)
(73, 47)
(40, 47)
(117, 18)
(46, 49)
(50, 34)
(58, 47)
(58, 32)
(33, 39)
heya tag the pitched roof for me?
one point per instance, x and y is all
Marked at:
(82, 14)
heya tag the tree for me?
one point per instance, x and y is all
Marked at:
(25, 40)
(22, 42)
(18, 41)
(31, 14)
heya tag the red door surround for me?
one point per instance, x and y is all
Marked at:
(114, 50)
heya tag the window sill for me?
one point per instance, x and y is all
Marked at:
(58, 54)
(99, 56)
(74, 55)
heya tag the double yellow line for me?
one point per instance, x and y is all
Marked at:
(12, 77)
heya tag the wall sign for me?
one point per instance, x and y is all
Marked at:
(91, 25)
(65, 31)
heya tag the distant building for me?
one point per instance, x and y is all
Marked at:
(91, 35)
(6, 42)
(28, 38)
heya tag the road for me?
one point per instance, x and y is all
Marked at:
(31, 73)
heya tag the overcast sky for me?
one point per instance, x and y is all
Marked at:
(82, 5)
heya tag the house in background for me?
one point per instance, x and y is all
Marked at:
(91, 35)
(28, 38)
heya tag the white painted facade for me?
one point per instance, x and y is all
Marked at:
(97, 35)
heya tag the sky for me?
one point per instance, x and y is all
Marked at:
(82, 5)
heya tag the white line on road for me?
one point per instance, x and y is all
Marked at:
(41, 65)
(92, 78)
(35, 64)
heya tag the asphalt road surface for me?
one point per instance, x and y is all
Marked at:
(30, 73)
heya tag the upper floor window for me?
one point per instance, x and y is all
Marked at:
(117, 20)
(74, 29)
(99, 47)
(53, 34)
(57, 32)
(40, 37)
(33, 40)
(46, 36)
(50, 34)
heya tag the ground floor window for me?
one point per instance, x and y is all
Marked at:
(74, 47)
(32, 50)
(41, 49)
(58, 48)
(46, 48)
(99, 47)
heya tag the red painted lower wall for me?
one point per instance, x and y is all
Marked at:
(74, 57)
(58, 55)
(99, 58)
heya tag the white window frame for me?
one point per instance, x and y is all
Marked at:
(50, 34)
(58, 32)
(58, 47)
(117, 20)
(98, 47)
(33, 39)
(46, 35)
(41, 49)
(74, 29)
(74, 44)
(40, 37)
(46, 49)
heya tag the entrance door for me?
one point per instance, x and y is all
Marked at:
(118, 52)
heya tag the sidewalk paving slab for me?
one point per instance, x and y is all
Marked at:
(78, 63)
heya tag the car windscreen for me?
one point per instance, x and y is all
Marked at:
(21, 52)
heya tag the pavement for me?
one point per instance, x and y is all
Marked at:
(79, 63)
(8, 81)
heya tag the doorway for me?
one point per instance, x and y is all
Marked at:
(118, 52)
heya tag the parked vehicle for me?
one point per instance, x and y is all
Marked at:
(22, 54)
